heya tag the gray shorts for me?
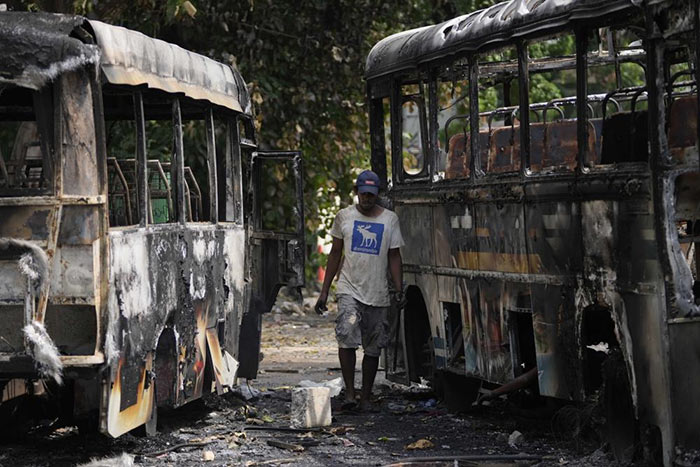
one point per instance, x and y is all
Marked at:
(358, 323)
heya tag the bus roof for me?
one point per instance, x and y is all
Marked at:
(38, 47)
(487, 28)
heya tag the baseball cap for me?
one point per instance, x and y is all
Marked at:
(367, 182)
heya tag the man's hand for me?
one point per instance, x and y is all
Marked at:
(400, 299)
(320, 306)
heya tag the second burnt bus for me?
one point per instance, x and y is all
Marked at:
(542, 157)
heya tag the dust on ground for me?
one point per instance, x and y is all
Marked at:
(299, 345)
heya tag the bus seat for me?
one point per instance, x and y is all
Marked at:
(536, 146)
(458, 157)
(682, 128)
(504, 150)
(561, 144)
(616, 145)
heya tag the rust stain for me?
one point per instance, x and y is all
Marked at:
(501, 262)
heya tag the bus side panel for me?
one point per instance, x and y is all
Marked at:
(553, 322)
(166, 278)
(416, 229)
(489, 330)
(553, 236)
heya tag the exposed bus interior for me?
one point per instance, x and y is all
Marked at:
(26, 139)
(616, 107)
(122, 141)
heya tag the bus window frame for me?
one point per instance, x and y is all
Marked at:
(178, 188)
(398, 99)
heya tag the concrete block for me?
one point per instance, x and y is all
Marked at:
(310, 407)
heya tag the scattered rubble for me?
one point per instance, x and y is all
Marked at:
(251, 426)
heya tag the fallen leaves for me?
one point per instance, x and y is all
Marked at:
(420, 444)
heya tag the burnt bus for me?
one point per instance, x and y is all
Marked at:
(542, 157)
(137, 248)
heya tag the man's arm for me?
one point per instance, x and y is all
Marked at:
(332, 266)
(395, 268)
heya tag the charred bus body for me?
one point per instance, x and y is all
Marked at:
(134, 262)
(559, 234)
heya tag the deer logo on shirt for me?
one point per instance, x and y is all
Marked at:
(367, 237)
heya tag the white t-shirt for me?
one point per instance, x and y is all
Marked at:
(366, 245)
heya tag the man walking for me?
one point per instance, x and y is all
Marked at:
(368, 237)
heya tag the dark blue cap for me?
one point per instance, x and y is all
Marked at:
(367, 182)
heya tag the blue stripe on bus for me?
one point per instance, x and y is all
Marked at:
(438, 342)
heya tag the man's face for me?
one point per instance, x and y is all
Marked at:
(366, 201)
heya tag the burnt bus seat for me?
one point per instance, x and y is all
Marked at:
(682, 129)
(552, 145)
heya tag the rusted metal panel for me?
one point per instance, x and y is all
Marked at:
(416, 228)
(28, 222)
(73, 275)
(80, 225)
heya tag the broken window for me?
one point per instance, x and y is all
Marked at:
(228, 168)
(617, 98)
(26, 140)
(452, 105)
(121, 183)
(413, 131)
(499, 124)
(197, 196)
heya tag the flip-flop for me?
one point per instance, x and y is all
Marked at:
(349, 405)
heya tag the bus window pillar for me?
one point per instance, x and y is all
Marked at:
(433, 139)
(475, 159)
(581, 97)
(177, 168)
(396, 123)
(211, 162)
(376, 125)
(524, 93)
(144, 212)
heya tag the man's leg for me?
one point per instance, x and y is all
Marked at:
(374, 337)
(369, 371)
(347, 333)
(347, 367)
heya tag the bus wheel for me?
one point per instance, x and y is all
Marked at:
(620, 422)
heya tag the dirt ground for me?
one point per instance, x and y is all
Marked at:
(298, 346)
